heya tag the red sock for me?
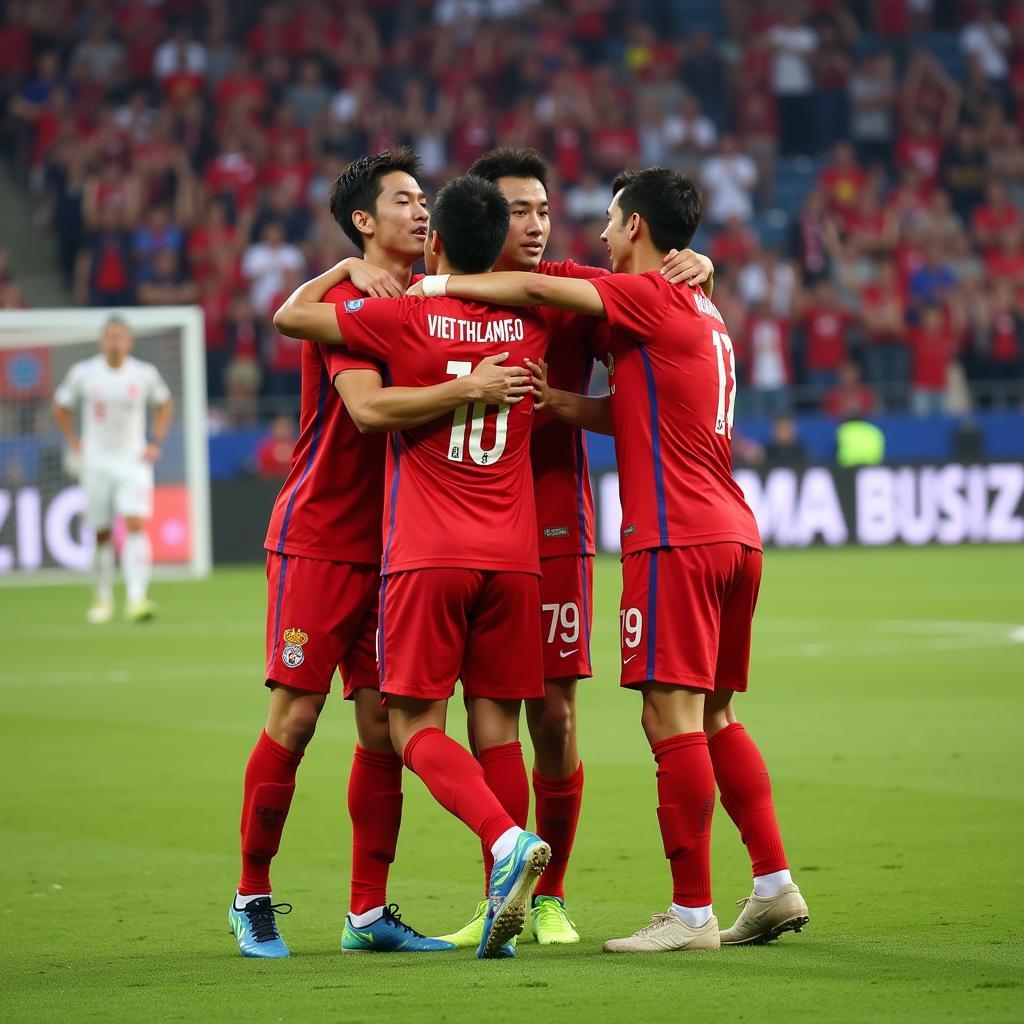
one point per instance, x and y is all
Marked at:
(456, 781)
(266, 797)
(375, 807)
(505, 775)
(742, 778)
(686, 795)
(558, 810)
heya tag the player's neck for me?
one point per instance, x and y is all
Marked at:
(444, 267)
(642, 258)
(398, 266)
(116, 363)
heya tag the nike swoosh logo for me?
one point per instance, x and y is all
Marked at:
(626, 661)
(565, 654)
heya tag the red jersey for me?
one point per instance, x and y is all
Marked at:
(558, 451)
(931, 354)
(673, 387)
(826, 338)
(458, 489)
(331, 503)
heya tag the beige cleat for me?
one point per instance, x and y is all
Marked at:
(100, 611)
(140, 611)
(667, 933)
(763, 919)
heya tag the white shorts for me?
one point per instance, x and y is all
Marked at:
(115, 489)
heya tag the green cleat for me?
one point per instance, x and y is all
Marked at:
(552, 926)
(471, 933)
(140, 611)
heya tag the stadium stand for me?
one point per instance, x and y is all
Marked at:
(863, 162)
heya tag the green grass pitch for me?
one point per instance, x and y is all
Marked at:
(887, 695)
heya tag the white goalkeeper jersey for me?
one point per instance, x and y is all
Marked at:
(113, 403)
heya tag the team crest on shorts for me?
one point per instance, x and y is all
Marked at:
(293, 655)
(354, 305)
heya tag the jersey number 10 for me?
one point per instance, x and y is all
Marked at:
(726, 406)
(456, 443)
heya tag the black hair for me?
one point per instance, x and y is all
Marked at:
(511, 162)
(359, 185)
(670, 204)
(471, 216)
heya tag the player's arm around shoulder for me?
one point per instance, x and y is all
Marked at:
(376, 409)
(304, 314)
(516, 288)
(689, 267)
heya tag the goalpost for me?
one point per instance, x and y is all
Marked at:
(42, 534)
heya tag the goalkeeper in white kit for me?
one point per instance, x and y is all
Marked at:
(115, 460)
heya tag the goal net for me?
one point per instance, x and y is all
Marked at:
(42, 531)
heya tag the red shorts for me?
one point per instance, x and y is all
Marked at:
(566, 614)
(321, 616)
(440, 625)
(686, 615)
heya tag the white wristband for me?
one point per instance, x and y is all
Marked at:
(435, 284)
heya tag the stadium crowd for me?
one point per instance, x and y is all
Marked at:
(863, 163)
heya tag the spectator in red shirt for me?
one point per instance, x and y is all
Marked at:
(287, 167)
(825, 324)
(243, 88)
(734, 246)
(921, 148)
(999, 344)
(993, 217)
(273, 456)
(932, 346)
(472, 133)
(1007, 262)
(883, 312)
(614, 142)
(283, 355)
(233, 173)
(843, 181)
(765, 357)
(850, 396)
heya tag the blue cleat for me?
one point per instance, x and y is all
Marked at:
(255, 928)
(389, 934)
(508, 896)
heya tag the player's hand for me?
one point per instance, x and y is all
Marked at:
(75, 446)
(373, 281)
(687, 267)
(494, 384)
(152, 452)
(541, 390)
(417, 289)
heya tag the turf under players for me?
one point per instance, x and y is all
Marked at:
(460, 596)
(115, 460)
(691, 551)
(323, 561)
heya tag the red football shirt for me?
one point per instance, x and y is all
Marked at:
(331, 504)
(458, 489)
(558, 451)
(931, 354)
(826, 338)
(673, 388)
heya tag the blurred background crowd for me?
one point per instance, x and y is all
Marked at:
(863, 165)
